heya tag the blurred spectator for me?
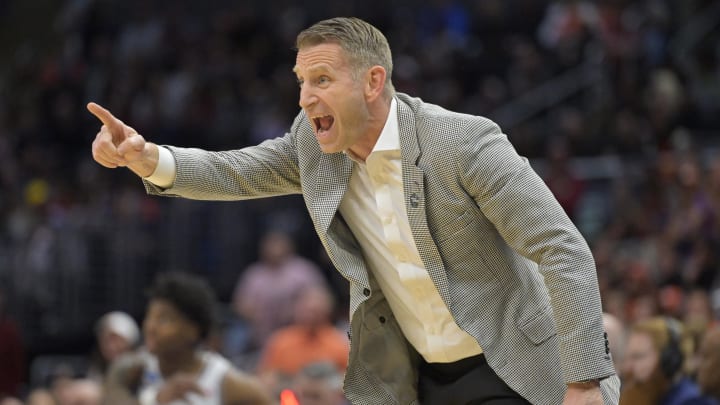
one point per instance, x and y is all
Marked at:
(178, 319)
(60, 382)
(617, 336)
(708, 372)
(211, 68)
(311, 338)
(698, 318)
(82, 392)
(653, 370)
(40, 396)
(10, 401)
(12, 353)
(267, 290)
(319, 384)
(116, 333)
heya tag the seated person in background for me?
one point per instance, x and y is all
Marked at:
(708, 371)
(311, 338)
(40, 396)
(10, 401)
(175, 369)
(653, 369)
(81, 392)
(267, 290)
(116, 333)
(617, 337)
(319, 384)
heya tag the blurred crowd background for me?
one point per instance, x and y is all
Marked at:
(616, 103)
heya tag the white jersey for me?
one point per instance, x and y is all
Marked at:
(210, 380)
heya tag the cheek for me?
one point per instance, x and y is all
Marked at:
(644, 368)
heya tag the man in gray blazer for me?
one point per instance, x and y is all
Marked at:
(468, 282)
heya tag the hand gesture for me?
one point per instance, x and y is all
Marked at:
(119, 145)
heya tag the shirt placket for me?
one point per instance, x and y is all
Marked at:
(390, 206)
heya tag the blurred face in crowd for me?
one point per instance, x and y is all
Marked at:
(708, 371)
(40, 397)
(616, 335)
(333, 97)
(313, 308)
(83, 392)
(641, 358)
(166, 330)
(276, 248)
(112, 344)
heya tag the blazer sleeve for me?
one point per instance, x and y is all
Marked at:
(530, 219)
(264, 170)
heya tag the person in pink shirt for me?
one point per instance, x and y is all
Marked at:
(267, 290)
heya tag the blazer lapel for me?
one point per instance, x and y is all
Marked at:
(414, 189)
(332, 180)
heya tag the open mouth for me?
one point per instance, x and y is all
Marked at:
(323, 123)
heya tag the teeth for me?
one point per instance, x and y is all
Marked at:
(316, 120)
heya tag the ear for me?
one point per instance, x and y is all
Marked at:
(375, 82)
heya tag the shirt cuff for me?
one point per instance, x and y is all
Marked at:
(164, 174)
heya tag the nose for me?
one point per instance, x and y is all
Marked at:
(307, 97)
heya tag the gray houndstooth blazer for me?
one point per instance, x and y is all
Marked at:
(513, 270)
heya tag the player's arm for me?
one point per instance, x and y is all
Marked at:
(243, 389)
(122, 380)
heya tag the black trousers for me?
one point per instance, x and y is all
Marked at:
(469, 381)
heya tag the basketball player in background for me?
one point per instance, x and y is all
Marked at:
(173, 368)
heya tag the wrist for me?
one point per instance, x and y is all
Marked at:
(148, 162)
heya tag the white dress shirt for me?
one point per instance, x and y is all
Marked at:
(374, 208)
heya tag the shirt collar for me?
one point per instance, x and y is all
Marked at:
(389, 137)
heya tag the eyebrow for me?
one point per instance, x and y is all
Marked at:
(312, 69)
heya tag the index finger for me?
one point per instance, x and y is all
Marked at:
(105, 117)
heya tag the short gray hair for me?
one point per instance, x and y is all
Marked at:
(364, 44)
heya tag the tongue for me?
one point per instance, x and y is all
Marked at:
(326, 122)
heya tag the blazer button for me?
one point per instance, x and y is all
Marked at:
(366, 292)
(381, 319)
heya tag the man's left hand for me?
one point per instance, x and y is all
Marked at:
(583, 393)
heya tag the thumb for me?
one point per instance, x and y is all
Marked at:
(113, 124)
(133, 143)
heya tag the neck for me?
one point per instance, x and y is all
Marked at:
(378, 114)
(185, 362)
(312, 330)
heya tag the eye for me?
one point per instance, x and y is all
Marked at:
(300, 82)
(323, 80)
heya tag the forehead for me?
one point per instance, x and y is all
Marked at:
(159, 305)
(321, 56)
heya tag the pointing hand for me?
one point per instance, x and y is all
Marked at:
(119, 145)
